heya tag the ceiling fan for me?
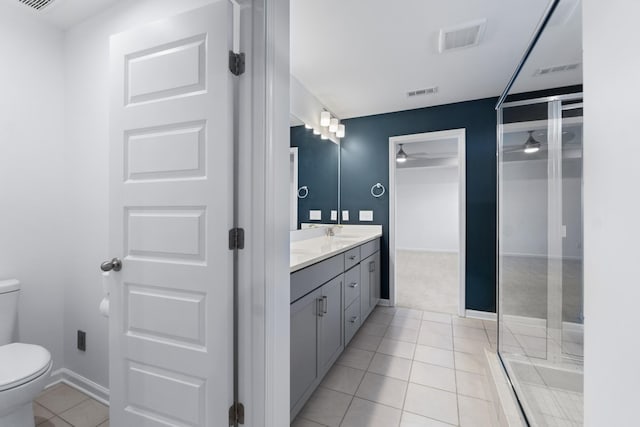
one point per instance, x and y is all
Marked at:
(532, 145)
(403, 157)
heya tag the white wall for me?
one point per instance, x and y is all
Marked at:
(87, 132)
(33, 244)
(427, 209)
(612, 205)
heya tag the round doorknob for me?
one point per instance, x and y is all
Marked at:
(115, 265)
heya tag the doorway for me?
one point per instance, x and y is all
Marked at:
(427, 221)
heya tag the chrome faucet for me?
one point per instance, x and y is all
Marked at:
(331, 230)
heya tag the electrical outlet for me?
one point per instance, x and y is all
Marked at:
(82, 340)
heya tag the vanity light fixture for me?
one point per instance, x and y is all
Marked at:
(531, 146)
(325, 119)
(316, 131)
(324, 134)
(308, 126)
(401, 157)
(333, 125)
(340, 131)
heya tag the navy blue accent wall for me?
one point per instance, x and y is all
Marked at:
(365, 161)
(318, 170)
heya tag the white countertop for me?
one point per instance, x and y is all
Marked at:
(307, 251)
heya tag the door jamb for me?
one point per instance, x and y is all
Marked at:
(460, 135)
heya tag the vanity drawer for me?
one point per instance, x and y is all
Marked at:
(351, 321)
(306, 280)
(369, 248)
(351, 258)
(351, 285)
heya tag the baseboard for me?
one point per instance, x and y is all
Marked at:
(484, 315)
(531, 321)
(77, 381)
(384, 302)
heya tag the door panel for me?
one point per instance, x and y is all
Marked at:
(171, 323)
(331, 324)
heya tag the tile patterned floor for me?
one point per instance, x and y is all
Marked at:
(64, 406)
(407, 368)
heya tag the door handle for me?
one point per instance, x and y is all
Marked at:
(351, 257)
(353, 285)
(115, 264)
(325, 304)
(353, 319)
(372, 266)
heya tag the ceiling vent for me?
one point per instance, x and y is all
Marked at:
(461, 36)
(556, 69)
(420, 92)
(36, 4)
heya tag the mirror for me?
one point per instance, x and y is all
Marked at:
(313, 176)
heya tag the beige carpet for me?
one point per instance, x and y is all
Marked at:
(427, 280)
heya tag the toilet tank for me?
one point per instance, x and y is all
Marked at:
(9, 290)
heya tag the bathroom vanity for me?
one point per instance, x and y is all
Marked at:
(335, 284)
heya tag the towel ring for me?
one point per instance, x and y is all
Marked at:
(376, 187)
(303, 192)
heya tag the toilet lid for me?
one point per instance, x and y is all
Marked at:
(21, 363)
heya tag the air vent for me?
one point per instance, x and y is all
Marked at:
(461, 36)
(556, 69)
(36, 4)
(420, 92)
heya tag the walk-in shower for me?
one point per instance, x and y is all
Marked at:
(540, 229)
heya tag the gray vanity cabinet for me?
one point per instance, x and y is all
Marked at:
(330, 321)
(304, 333)
(369, 278)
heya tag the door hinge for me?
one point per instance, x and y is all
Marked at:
(236, 63)
(236, 238)
(236, 414)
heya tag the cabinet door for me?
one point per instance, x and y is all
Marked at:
(365, 289)
(304, 345)
(374, 270)
(331, 342)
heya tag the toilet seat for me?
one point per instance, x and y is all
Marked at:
(21, 363)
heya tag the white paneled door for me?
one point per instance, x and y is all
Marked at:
(171, 319)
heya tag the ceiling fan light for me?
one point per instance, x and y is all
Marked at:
(531, 145)
(333, 125)
(531, 150)
(401, 156)
(325, 118)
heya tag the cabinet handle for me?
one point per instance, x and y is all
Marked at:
(319, 304)
(353, 285)
(351, 257)
(326, 304)
(372, 266)
(354, 319)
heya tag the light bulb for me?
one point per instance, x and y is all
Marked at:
(316, 131)
(324, 134)
(325, 118)
(308, 126)
(333, 125)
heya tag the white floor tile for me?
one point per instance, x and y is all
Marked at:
(375, 329)
(464, 345)
(468, 322)
(59, 398)
(432, 403)
(436, 317)
(425, 337)
(406, 322)
(355, 358)
(409, 312)
(433, 376)
(391, 366)
(326, 407)
(301, 422)
(343, 378)
(474, 412)
(381, 318)
(436, 327)
(470, 333)
(363, 413)
(469, 363)
(400, 333)
(472, 385)
(386, 390)
(434, 355)
(365, 342)
(413, 420)
(397, 348)
(89, 413)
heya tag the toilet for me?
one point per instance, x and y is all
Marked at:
(24, 368)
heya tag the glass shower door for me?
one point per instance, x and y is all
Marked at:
(540, 255)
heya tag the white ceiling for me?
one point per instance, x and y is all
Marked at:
(360, 57)
(65, 14)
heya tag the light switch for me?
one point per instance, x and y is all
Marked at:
(315, 215)
(334, 215)
(345, 215)
(366, 215)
